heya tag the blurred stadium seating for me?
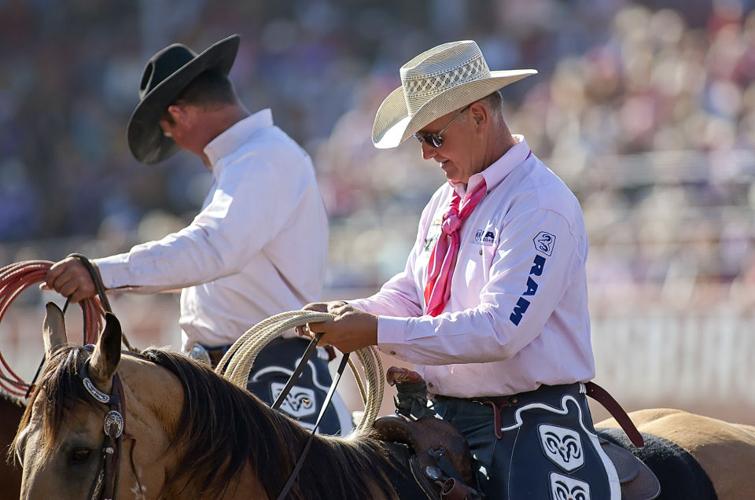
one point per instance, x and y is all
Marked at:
(647, 110)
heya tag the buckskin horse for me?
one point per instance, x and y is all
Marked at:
(188, 433)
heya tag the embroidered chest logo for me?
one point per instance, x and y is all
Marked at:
(484, 237)
(522, 304)
(300, 402)
(544, 242)
(562, 446)
(566, 488)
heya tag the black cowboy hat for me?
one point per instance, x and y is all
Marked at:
(166, 75)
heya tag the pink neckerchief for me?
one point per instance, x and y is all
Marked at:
(440, 269)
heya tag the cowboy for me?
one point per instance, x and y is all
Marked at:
(492, 303)
(238, 262)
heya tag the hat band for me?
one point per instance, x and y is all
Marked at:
(417, 91)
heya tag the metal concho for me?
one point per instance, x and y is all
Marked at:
(113, 418)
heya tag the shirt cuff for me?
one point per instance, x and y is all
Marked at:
(114, 270)
(391, 330)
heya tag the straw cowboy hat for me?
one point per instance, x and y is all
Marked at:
(165, 76)
(437, 82)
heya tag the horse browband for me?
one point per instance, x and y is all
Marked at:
(113, 426)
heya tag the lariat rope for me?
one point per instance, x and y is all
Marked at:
(17, 277)
(237, 363)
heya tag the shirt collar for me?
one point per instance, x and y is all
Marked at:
(236, 136)
(499, 169)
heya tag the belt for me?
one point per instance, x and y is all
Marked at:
(216, 353)
(499, 403)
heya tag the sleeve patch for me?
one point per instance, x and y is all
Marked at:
(544, 242)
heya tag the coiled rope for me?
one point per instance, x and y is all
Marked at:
(14, 279)
(236, 364)
(17, 277)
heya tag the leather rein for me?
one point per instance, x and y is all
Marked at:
(114, 423)
(311, 348)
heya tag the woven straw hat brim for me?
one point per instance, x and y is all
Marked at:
(393, 125)
(145, 137)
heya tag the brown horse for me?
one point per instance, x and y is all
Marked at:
(191, 434)
(11, 410)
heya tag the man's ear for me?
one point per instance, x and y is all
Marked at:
(479, 113)
(175, 112)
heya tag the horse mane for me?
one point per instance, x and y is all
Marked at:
(62, 386)
(222, 428)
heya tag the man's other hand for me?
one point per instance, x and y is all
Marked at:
(71, 279)
(322, 307)
(351, 329)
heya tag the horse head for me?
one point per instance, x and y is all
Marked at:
(188, 433)
(61, 444)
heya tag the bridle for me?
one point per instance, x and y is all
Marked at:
(114, 423)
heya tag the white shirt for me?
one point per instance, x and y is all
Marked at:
(257, 248)
(517, 317)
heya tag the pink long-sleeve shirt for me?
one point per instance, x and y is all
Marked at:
(517, 317)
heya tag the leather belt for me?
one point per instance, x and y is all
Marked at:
(614, 408)
(499, 403)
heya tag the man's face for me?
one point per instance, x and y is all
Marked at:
(457, 155)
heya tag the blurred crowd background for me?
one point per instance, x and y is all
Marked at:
(646, 109)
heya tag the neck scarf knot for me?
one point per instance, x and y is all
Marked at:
(440, 269)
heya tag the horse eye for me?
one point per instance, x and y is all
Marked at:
(80, 455)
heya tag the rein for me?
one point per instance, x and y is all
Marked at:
(311, 349)
(114, 423)
(100, 288)
(237, 362)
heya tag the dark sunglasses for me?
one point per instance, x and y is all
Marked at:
(435, 139)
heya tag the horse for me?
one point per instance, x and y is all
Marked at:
(188, 433)
(11, 411)
(693, 456)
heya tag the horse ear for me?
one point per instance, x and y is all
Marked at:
(53, 329)
(107, 352)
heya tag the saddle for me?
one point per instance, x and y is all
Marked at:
(638, 482)
(442, 462)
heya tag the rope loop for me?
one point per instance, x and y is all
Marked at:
(236, 364)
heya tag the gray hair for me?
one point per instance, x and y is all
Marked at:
(494, 102)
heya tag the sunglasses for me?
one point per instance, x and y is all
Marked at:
(435, 139)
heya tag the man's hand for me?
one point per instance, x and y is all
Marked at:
(322, 307)
(351, 329)
(71, 279)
